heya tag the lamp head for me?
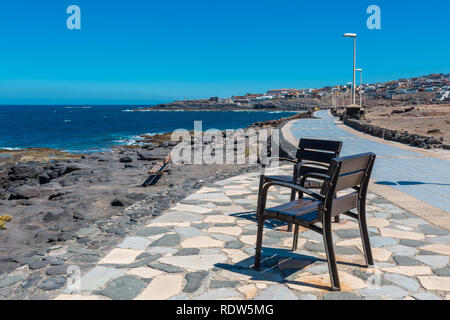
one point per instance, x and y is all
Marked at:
(349, 35)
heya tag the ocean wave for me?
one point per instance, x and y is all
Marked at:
(283, 111)
(67, 120)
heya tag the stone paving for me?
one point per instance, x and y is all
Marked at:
(203, 248)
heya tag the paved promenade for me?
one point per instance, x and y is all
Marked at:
(419, 174)
(203, 248)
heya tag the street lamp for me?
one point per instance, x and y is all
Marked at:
(353, 35)
(360, 87)
(350, 84)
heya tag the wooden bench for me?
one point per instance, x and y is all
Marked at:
(313, 156)
(347, 173)
(157, 171)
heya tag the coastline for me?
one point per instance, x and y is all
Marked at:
(53, 200)
(279, 105)
(93, 130)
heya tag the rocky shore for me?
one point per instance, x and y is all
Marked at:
(73, 198)
(295, 104)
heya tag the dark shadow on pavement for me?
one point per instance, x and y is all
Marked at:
(251, 215)
(278, 266)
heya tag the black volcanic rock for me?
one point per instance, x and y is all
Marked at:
(24, 192)
(24, 172)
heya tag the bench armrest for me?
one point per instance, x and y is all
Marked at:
(314, 175)
(294, 187)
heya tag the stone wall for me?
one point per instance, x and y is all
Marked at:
(414, 140)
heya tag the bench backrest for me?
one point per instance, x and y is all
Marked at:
(319, 151)
(347, 172)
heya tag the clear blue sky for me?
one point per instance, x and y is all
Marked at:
(136, 51)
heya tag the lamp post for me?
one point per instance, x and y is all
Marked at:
(360, 87)
(351, 98)
(353, 35)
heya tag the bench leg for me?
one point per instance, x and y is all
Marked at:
(293, 193)
(364, 233)
(337, 219)
(259, 239)
(332, 266)
(295, 241)
(261, 183)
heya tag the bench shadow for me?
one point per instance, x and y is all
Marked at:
(251, 216)
(279, 266)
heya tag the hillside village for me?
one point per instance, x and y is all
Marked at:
(436, 84)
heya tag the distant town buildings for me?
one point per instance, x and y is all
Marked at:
(438, 83)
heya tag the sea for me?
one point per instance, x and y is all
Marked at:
(84, 129)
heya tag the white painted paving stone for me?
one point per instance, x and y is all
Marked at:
(188, 232)
(435, 283)
(219, 294)
(198, 262)
(145, 272)
(178, 216)
(412, 222)
(402, 250)
(276, 292)
(434, 261)
(400, 234)
(121, 256)
(191, 208)
(162, 287)
(139, 243)
(162, 250)
(202, 242)
(212, 197)
(440, 239)
(378, 241)
(403, 281)
(251, 275)
(426, 296)
(210, 251)
(443, 249)
(307, 297)
(223, 237)
(390, 292)
(97, 277)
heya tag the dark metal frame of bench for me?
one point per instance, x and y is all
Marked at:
(344, 173)
(313, 156)
(157, 171)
